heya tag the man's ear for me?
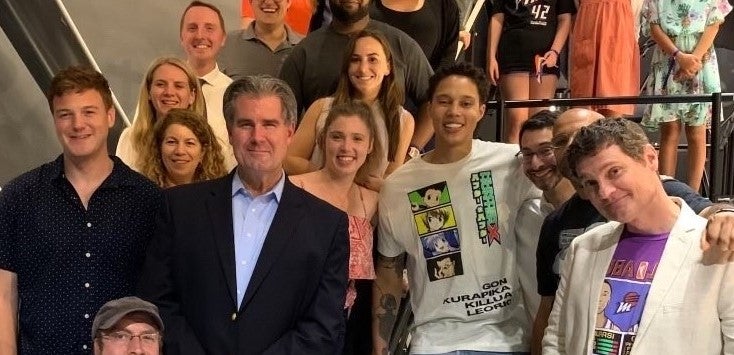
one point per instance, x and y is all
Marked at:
(111, 116)
(650, 155)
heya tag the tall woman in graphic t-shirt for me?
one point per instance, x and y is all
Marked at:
(520, 30)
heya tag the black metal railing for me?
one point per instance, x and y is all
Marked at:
(717, 140)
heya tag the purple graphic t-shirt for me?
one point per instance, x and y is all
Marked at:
(625, 290)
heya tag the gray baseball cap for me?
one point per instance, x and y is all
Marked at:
(113, 311)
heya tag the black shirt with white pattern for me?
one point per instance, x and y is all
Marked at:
(70, 260)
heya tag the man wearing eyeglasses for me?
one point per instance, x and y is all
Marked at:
(127, 325)
(539, 165)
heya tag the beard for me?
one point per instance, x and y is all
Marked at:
(546, 184)
(342, 15)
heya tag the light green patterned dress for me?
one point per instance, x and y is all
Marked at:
(684, 22)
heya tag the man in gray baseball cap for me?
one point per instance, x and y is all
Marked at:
(127, 325)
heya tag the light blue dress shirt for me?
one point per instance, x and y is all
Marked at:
(251, 217)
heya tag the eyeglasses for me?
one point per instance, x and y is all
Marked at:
(124, 338)
(542, 153)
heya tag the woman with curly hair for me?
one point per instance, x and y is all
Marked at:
(367, 75)
(183, 150)
(169, 83)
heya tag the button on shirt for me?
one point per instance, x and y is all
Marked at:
(251, 217)
(71, 260)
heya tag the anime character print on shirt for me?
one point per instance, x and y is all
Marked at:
(435, 222)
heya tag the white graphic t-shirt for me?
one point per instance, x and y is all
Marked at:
(456, 222)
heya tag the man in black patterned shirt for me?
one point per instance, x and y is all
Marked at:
(73, 232)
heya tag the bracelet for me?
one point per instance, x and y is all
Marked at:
(726, 209)
(555, 51)
(675, 53)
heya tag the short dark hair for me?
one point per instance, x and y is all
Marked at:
(260, 86)
(625, 134)
(197, 3)
(77, 79)
(540, 120)
(464, 69)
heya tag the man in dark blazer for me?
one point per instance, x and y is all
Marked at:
(249, 263)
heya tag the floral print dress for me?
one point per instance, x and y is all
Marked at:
(684, 21)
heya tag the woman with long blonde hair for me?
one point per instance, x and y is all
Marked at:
(169, 83)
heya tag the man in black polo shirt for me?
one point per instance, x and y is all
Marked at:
(73, 231)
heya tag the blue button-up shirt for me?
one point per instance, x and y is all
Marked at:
(251, 217)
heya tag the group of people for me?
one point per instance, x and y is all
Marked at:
(276, 256)
(527, 37)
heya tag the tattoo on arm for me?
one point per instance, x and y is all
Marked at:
(389, 306)
(397, 263)
(386, 311)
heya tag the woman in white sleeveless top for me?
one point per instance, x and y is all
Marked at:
(366, 75)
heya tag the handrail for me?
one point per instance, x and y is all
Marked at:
(617, 100)
(716, 99)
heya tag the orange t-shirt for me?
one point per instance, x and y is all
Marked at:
(297, 17)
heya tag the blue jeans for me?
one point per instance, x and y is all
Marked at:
(472, 352)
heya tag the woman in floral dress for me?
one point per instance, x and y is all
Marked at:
(684, 62)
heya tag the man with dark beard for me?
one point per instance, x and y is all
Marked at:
(539, 165)
(312, 69)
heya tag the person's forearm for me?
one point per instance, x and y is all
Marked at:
(495, 30)
(710, 210)
(562, 31)
(706, 40)
(296, 165)
(8, 312)
(540, 323)
(423, 127)
(386, 295)
(663, 41)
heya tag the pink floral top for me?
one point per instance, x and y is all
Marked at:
(361, 265)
